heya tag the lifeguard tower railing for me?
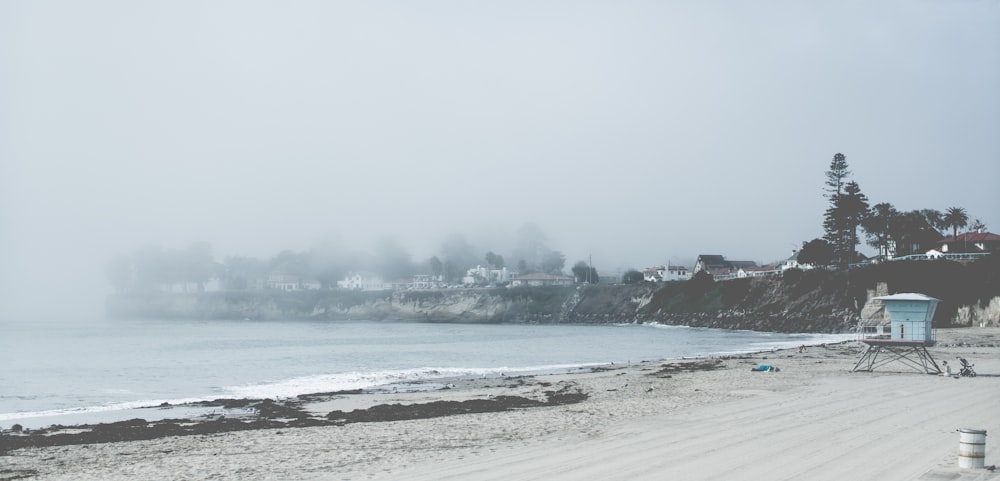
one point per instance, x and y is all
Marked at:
(878, 348)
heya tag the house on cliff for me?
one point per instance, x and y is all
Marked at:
(970, 243)
(718, 266)
(757, 271)
(665, 273)
(539, 279)
(358, 281)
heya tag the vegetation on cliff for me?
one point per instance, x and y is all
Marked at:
(816, 300)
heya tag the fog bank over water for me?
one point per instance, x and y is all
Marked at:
(633, 132)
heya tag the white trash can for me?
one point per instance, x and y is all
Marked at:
(971, 448)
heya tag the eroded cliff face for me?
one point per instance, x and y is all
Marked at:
(801, 302)
(983, 315)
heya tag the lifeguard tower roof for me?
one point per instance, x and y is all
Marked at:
(907, 296)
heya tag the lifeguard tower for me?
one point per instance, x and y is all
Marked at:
(910, 317)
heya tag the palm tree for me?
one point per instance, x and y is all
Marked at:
(956, 218)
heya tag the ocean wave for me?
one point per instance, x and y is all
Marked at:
(121, 406)
(369, 380)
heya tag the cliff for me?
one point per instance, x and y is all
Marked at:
(809, 301)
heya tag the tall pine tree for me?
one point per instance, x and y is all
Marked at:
(848, 208)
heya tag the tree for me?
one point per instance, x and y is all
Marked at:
(934, 218)
(912, 233)
(522, 267)
(846, 212)
(836, 176)
(632, 276)
(437, 268)
(853, 208)
(531, 246)
(877, 225)
(835, 224)
(494, 260)
(816, 252)
(197, 264)
(583, 272)
(553, 262)
(956, 218)
(977, 226)
(241, 272)
(290, 263)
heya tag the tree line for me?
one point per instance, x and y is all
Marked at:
(890, 231)
(152, 268)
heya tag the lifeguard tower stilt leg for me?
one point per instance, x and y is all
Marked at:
(882, 352)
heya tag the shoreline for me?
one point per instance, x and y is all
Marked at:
(191, 407)
(480, 423)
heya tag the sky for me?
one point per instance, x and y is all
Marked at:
(634, 133)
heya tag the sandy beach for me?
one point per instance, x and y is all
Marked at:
(680, 419)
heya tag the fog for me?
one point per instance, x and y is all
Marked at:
(633, 133)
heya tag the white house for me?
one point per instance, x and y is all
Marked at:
(666, 273)
(793, 263)
(485, 275)
(756, 271)
(363, 282)
(719, 264)
(425, 281)
(653, 274)
(971, 242)
(676, 273)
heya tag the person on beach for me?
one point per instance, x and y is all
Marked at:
(946, 369)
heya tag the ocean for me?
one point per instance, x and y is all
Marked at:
(71, 372)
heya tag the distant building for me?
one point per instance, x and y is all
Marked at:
(718, 265)
(676, 273)
(425, 281)
(653, 274)
(485, 275)
(541, 280)
(969, 243)
(793, 263)
(608, 279)
(363, 282)
(290, 282)
(666, 273)
(757, 271)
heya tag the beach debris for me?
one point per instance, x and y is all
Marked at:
(649, 389)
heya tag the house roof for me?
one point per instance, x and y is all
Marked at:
(972, 237)
(712, 260)
(742, 264)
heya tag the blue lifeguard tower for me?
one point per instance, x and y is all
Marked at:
(910, 317)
